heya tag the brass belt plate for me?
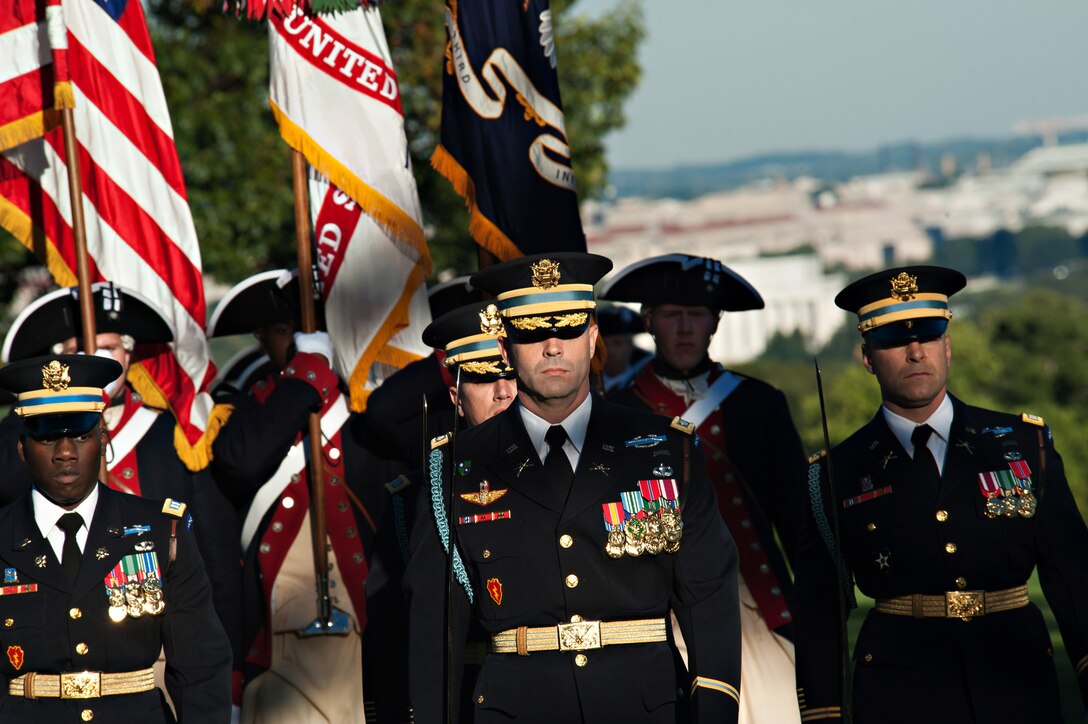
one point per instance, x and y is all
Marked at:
(965, 604)
(81, 685)
(579, 636)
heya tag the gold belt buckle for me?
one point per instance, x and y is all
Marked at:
(965, 605)
(579, 635)
(81, 685)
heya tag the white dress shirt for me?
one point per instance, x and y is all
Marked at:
(47, 513)
(940, 421)
(575, 426)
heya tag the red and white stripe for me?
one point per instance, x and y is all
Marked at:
(33, 44)
(140, 232)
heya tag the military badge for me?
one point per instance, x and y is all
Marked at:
(491, 321)
(134, 587)
(526, 463)
(55, 377)
(614, 519)
(486, 496)
(599, 468)
(463, 467)
(22, 588)
(904, 287)
(645, 441)
(882, 559)
(144, 546)
(16, 657)
(11, 575)
(135, 530)
(40, 561)
(866, 484)
(545, 274)
(101, 554)
(662, 471)
(494, 587)
(997, 432)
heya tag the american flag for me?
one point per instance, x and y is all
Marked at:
(140, 232)
(34, 74)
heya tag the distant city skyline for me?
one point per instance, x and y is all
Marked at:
(727, 80)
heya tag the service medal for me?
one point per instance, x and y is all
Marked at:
(153, 603)
(994, 507)
(614, 545)
(635, 537)
(1028, 504)
(134, 599)
(672, 525)
(655, 536)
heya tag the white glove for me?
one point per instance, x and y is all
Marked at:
(314, 343)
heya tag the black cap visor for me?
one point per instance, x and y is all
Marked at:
(906, 331)
(62, 424)
(529, 336)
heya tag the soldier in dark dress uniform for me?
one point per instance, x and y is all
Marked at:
(753, 452)
(944, 510)
(468, 340)
(259, 461)
(97, 582)
(140, 455)
(579, 526)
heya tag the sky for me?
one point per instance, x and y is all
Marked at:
(727, 79)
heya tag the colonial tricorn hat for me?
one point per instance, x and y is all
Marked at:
(619, 320)
(904, 303)
(469, 336)
(544, 295)
(55, 317)
(455, 293)
(690, 281)
(269, 297)
(59, 394)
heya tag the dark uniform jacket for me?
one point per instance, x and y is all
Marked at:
(757, 465)
(154, 471)
(249, 449)
(903, 534)
(47, 625)
(539, 562)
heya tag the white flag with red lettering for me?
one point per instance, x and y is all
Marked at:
(140, 232)
(335, 97)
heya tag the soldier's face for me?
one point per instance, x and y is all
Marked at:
(480, 401)
(554, 369)
(276, 341)
(912, 376)
(64, 468)
(682, 334)
(108, 343)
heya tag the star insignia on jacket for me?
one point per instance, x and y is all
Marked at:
(887, 459)
(486, 496)
(881, 561)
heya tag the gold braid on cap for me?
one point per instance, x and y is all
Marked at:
(560, 320)
(484, 367)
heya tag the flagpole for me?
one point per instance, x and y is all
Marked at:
(79, 231)
(316, 472)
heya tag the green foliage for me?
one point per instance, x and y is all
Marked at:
(215, 74)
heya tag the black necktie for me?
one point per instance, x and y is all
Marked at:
(557, 464)
(923, 457)
(70, 553)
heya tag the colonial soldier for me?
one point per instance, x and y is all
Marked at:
(260, 461)
(97, 582)
(395, 409)
(625, 359)
(468, 340)
(141, 458)
(579, 525)
(944, 510)
(753, 452)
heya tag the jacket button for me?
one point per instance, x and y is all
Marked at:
(870, 527)
(357, 557)
(576, 619)
(294, 478)
(277, 527)
(961, 582)
(715, 429)
(341, 506)
(86, 715)
(265, 548)
(566, 541)
(580, 660)
(74, 614)
(486, 553)
(82, 648)
(9, 622)
(350, 532)
(950, 547)
(480, 699)
(942, 516)
(868, 658)
(572, 581)
(334, 453)
(288, 502)
(764, 568)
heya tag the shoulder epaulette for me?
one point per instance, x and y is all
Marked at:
(1032, 419)
(816, 457)
(437, 442)
(682, 425)
(174, 508)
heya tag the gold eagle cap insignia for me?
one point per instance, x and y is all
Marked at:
(904, 287)
(491, 321)
(55, 376)
(545, 274)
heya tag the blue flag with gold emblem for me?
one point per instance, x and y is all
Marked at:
(504, 142)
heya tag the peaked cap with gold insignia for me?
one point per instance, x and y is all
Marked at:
(904, 303)
(59, 394)
(470, 337)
